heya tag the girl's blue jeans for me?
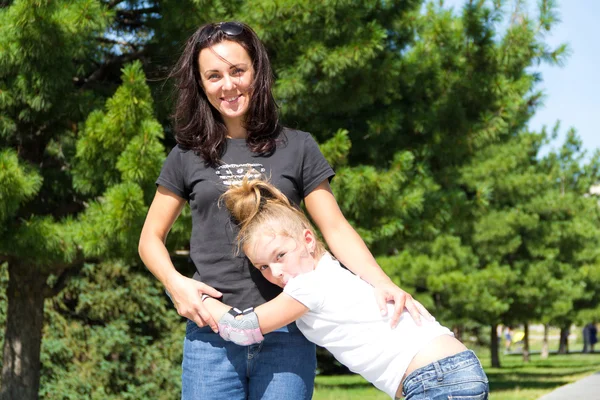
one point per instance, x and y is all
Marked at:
(281, 367)
(458, 377)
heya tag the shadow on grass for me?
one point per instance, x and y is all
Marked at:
(524, 384)
(344, 385)
(547, 374)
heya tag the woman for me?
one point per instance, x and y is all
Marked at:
(227, 127)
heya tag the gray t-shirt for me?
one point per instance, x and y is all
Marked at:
(296, 167)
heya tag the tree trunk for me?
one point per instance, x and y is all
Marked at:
(23, 335)
(526, 342)
(494, 348)
(544, 354)
(563, 344)
(458, 331)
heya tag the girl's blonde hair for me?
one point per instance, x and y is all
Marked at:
(257, 206)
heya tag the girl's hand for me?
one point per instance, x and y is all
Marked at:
(388, 291)
(187, 294)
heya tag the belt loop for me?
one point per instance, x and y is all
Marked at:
(438, 371)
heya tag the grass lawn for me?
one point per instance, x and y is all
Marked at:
(514, 381)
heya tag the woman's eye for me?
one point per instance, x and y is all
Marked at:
(280, 256)
(263, 267)
(237, 71)
(212, 77)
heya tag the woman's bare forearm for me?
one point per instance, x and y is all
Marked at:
(155, 256)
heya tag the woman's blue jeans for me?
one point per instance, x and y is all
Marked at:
(281, 367)
(459, 377)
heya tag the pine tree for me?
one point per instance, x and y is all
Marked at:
(56, 216)
(39, 44)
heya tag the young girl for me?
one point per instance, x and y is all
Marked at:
(336, 309)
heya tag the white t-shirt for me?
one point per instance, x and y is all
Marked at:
(344, 318)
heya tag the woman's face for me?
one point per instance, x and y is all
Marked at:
(226, 74)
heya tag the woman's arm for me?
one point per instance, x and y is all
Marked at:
(272, 315)
(186, 293)
(350, 249)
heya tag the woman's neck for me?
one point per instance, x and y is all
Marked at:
(235, 130)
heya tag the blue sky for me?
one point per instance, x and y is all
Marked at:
(572, 92)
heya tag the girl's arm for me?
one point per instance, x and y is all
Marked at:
(186, 293)
(279, 312)
(350, 249)
(272, 315)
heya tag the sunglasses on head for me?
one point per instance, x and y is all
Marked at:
(228, 28)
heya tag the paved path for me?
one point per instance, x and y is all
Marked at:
(586, 388)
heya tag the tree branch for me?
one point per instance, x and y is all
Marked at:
(131, 23)
(67, 272)
(114, 3)
(135, 18)
(137, 12)
(119, 42)
(114, 62)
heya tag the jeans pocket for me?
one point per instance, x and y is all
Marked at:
(482, 396)
(192, 330)
(473, 390)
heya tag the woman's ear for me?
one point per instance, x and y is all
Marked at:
(310, 241)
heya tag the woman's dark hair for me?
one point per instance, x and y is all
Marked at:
(198, 125)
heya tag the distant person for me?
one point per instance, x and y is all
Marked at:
(507, 339)
(585, 333)
(336, 309)
(593, 336)
(590, 337)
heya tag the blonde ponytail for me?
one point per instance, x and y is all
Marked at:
(258, 206)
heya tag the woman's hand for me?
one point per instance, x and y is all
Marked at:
(347, 246)
(388, 291)
(186, 294)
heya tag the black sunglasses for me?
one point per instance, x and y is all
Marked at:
(228, 28)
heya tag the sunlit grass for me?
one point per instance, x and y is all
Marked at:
(516, 380)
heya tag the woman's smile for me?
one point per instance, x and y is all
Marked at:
(227, 75)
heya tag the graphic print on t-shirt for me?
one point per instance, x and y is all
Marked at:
(233, 174)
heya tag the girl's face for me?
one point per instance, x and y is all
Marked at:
(280, 257)
(226, 74)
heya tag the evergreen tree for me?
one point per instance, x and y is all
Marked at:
(70, 194)
(573, 235)
(43, 46)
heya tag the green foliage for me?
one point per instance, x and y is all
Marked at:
(70, 190)
(18, 183)
(105, 342)
(43, 47)
(336, 149)
(110, 225)
(122, 142)
(537, 222)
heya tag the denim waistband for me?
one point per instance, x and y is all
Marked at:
(445, 365)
